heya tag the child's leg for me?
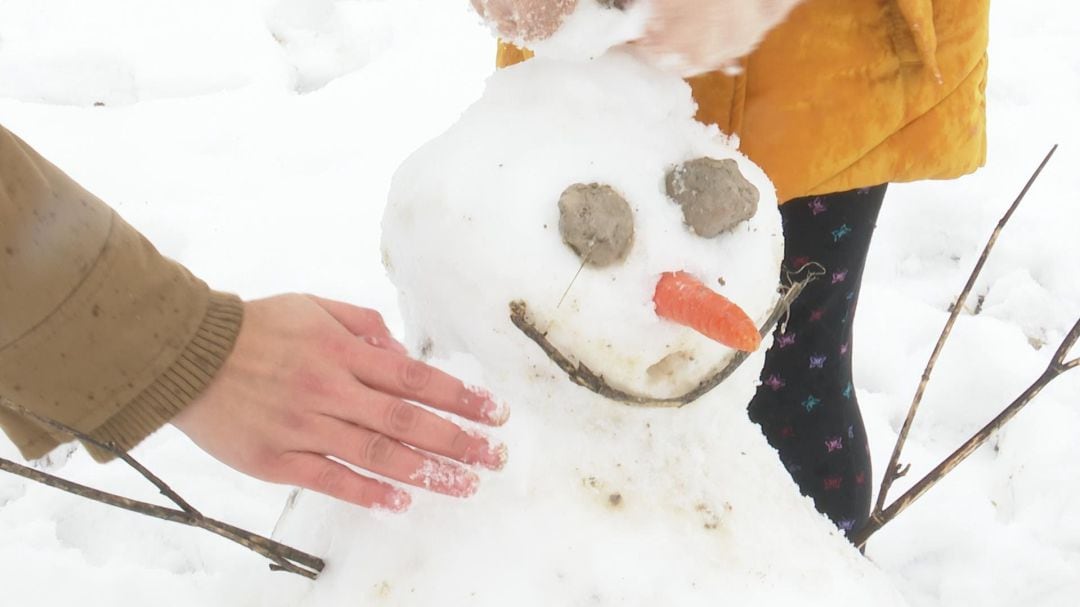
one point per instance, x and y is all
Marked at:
(806, 402)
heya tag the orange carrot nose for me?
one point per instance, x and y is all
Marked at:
(684, 299)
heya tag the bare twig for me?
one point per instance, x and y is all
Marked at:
(285, 558)
(893, 470)
(582, 375)
(1056, 367)
(111, 448)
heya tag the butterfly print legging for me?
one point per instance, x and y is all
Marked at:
(806, 403)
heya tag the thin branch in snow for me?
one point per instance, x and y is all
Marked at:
(110, 447)
(893, 470)
(285, 558)
(1055, 369)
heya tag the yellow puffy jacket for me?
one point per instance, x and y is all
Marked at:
(854, 93)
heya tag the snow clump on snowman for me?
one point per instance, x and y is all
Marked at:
(585, 189)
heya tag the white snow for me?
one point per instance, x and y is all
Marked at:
(600, 503)
(255, 142)
(473, 223)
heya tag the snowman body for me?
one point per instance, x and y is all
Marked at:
(601, 503)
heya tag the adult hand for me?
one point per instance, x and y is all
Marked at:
(695, 36)
(310, 379)
(525, 20)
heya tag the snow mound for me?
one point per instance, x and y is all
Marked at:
(600, 503)
(473, 223)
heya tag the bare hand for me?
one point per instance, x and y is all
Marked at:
(310, 379)
(525, 20)
(694, 36)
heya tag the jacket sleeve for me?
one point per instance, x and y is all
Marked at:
(97, 329)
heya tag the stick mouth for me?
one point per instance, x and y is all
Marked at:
(683, 299)
(578, 372)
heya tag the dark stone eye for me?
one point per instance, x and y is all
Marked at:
(597, 223)
(713, 194)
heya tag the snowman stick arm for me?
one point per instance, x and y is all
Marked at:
(1058, 365)
(894, 470)
(284, 558)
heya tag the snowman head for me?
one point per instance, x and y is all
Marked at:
(575, 188)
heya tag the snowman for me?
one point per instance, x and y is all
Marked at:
(580, 245)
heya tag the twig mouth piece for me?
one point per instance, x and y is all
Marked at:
(579, 373)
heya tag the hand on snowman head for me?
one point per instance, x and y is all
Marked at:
(684, 36)
(524, 20)
(312, 382)
(695, 36)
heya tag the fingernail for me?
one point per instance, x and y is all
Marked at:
(446, 477)
(491, 410)
(482, 453)
(495, 412)
(497, 457)
(398, 502)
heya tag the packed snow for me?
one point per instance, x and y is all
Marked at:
(255, 141)
(474, 222)
(601, 503)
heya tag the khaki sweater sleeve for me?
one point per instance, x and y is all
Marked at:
(97, 329)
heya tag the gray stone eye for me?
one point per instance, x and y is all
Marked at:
(713, 194)
(597, 223)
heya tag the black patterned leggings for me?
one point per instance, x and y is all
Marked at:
(806, 402)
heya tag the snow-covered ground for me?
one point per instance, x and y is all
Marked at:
(254, 140)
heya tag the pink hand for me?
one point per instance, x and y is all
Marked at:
(300, 388)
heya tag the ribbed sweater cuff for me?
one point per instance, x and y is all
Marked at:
(180, 384)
